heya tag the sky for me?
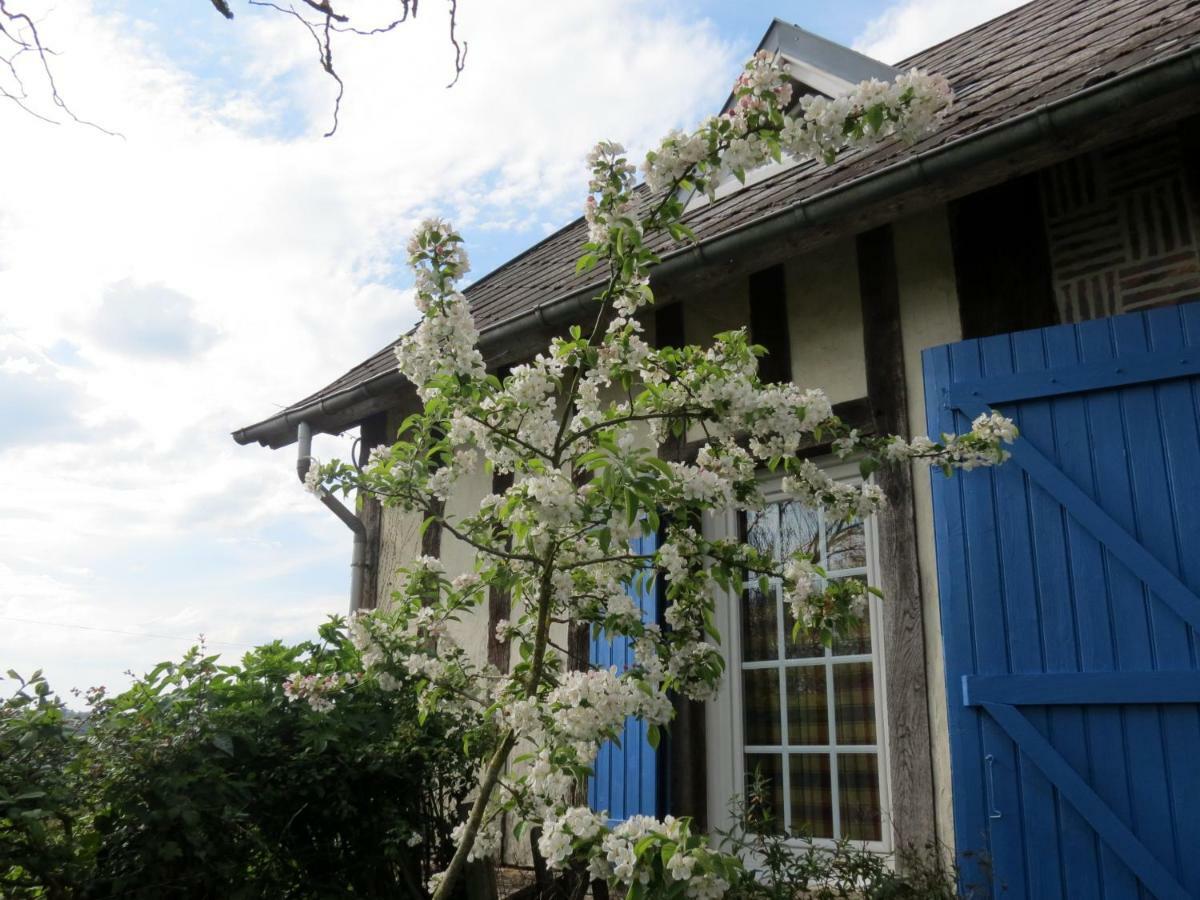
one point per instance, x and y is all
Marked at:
(221, 259)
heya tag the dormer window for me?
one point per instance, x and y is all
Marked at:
(816, 66)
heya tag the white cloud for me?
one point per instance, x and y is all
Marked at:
(909, 26)
(150, 320)
(124, 504)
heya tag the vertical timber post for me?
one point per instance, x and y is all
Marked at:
(372, 433)
(683, 786)
(910, 759)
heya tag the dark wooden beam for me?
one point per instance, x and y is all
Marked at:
(668, 326)
(910, 757)
(499, 601)
(372, 433)
(686, 755)
(769, 324)
(1002, 259)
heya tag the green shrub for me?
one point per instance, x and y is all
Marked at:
(783, 866)
(209, 780)
(39, 846)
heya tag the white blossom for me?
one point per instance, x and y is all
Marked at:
(312, 477)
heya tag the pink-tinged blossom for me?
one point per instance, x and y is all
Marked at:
(318, 690)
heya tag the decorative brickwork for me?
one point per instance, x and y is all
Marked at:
(1122, 229)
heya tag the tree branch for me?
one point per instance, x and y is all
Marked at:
(19, 35)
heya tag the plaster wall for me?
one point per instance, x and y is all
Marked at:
(825, 322)
(824, 319)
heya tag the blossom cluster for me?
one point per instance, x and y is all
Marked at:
(761, 125)
(445, 342)
(633, 851)
(909, 107)
(314, 477)
(318, 690)
(584, 709)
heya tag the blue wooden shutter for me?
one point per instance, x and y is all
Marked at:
(625, 782)
(1068, 584)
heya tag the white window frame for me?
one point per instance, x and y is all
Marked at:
(724, 725)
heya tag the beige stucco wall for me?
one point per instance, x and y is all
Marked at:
(458, 557)
(824, 319)
(825, 322)
(928, 317)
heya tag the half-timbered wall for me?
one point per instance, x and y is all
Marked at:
(944, 290)
(1121, 226)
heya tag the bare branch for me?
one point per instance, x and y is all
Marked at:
(321, 35)
(18, 35)
(332, 19)
(322, 19)
(460, 53)
(384, 29)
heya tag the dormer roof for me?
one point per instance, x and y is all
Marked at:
(819, 65)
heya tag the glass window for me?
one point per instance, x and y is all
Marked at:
(810, 720)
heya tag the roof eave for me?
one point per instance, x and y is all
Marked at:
(1046, 121)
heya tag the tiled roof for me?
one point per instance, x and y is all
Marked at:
(1036, 54)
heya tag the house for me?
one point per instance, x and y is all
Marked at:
(1029, 690)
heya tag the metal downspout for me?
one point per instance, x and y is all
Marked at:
(358, 559)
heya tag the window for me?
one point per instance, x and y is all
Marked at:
(804, 717)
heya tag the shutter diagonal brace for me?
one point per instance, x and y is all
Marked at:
(1101, 525)
(1123, 842)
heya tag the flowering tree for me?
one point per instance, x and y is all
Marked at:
(580, 428)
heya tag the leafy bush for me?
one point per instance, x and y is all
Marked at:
(287, 776)
(38, 844)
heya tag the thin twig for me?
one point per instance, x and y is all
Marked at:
(15, 26)
(460, 52)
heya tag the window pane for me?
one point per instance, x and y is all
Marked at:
(764, 792)
(854, 703)
(859, 639)
(762, 530)
(845, 545)
(806, 644)
(811, 795)
(808, 710)
(799, 529)
(858, 793)
(760, 704)
(760, 634)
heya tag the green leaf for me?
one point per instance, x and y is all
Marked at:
(223, 742)
(874, 117)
